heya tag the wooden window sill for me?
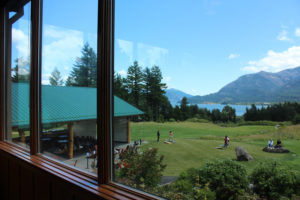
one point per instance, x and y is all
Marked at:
(75, 177)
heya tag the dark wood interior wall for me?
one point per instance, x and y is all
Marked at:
(21, 181)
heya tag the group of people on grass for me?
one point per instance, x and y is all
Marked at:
(278, 144)
(171, 136)
(226, 141)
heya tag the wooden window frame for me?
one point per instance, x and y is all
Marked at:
(103, 186)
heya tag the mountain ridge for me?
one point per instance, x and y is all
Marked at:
(260, 87)
(175, 95)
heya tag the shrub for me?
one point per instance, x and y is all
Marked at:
(187, 186)
(141, 169)
(197, 120)
(186, 181)
(227, 178)
(161, 119)
(172, 120)
(296, 119)
(169, 192)
(273, 181)
(203, 193)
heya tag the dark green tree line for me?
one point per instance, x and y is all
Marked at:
(287, 111)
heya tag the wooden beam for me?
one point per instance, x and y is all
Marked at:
(71, 139)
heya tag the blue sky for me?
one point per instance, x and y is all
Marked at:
(199, 45)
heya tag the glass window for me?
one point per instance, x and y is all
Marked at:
(18, 76)
(199, 82)
(69, 101)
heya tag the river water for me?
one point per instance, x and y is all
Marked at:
(239, 109)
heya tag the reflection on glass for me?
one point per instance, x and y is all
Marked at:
(18, 77)
(200, 86)
(69, 101)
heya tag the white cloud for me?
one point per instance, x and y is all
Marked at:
(297, 32)
(167, 80)
(45, 82)
(276, 61)
(283, 36)
(61, 48)
(150, 55)
(122, 72)
(45, 79)
(21, 42)
(126, 48)
(232, 56)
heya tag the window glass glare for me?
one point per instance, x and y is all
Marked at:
(200, 86)
(18, 73)
(69, 102)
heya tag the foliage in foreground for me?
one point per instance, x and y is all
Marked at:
(272, 181)
(227, 178)
(216, 180)
(141, 170)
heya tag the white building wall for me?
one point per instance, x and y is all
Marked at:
(85, 128)
(120, 129)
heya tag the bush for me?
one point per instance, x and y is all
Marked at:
(227, 178)
(273, 181)
(186, 181)
(161, 119)
(296, 119)
(203, 193)
(187, 186)
(172, 120)
(197, 120)
(264, 123)
(141, 169)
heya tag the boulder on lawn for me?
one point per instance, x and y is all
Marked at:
(242, 154)
(275, 150)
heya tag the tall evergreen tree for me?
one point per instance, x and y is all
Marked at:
(120, 87)
(184, 108)
(154, 90)
(55, 78)
(157, 90)
(134, 83)
(84, 72)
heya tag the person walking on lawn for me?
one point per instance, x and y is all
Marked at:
(171, 137)
(158, 136)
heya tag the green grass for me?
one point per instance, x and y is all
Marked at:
(196, 143)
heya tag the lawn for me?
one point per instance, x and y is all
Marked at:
(196, 143)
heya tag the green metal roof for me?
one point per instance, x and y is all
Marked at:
(63, 104)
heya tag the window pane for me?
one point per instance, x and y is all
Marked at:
(185, 76)
(18, 77)
(69, 58)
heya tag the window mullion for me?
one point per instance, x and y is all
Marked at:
(104, 92)
(2, 71)
(35, 74)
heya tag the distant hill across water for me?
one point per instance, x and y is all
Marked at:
(175, 95)
(261, 87)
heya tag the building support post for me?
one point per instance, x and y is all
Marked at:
(22, 136)
(71, 139)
